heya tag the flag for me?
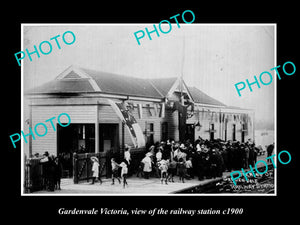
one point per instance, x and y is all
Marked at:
(162, 110)
(130, 106)
(128, 119)
(155, 109)
(182, 113)
(140, 110)
(148, 107)
(192, 109)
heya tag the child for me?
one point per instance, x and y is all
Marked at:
(172, 170)
(95, 169)
(158, 155)
(114, 169)
(140, 170)
(124, 172)
(181, 169)
(58, 173)
(163, 167)
(189, 168)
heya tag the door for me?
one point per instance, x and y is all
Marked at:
(149, 132)
(233, 132)
(212, 131)
(190, 133)
(79, 138)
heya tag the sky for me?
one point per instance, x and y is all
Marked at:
(211, 57)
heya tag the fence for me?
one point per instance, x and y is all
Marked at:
(82, 165)
(33, 175)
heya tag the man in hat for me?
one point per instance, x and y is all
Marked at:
(196, 162)
(95, 169)
(167, 150)
(45, 161)
(205, 161)
(213, 163)
(270, 149)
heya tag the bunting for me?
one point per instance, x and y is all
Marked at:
(140, 110)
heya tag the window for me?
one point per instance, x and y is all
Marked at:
(164, 131)
(108, 137)
(244, 130)
(233, 132)
(86, 137)
(225, 138)
(149, 131)
(212, 131)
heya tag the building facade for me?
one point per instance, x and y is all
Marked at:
(161, 108)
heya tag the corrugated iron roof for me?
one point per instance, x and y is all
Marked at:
(125, 85)
(163, 85)
(64, 86)
(84, 80)
(201, 97)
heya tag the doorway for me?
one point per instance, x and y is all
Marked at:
(233, 132)
(190, 133)
(109, 137)
(79, 138)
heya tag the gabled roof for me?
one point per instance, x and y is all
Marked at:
(76, 80)
(202, 98)
(163, 85)
(64, 86)
(81, 80)
(124, 85)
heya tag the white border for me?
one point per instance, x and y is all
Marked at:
(130, 24)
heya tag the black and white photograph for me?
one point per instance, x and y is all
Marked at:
(129, 113)
(164, 109)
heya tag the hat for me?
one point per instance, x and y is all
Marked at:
(151, 147)
(182, 146)
(123, 164)
(94, 158)
(148, 154)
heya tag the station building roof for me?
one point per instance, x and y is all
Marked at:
(76, 80)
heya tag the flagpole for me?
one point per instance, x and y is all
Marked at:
(182, 66)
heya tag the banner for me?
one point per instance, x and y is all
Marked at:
(182, 115)
(127, 118)
(162, 110)
(140, 110)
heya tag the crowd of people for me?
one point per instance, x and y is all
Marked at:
(202, 159)
(51, 171)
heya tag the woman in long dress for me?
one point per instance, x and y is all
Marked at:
(147, 165)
